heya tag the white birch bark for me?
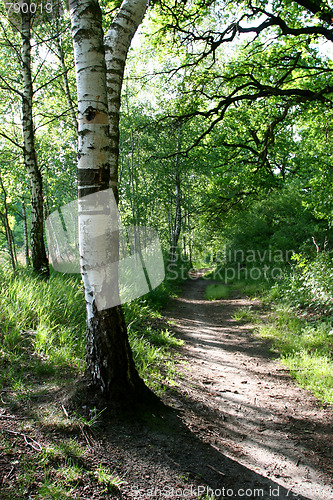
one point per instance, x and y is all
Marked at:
(93, 142)
(38, 253)
(117, 43)
(110, 367)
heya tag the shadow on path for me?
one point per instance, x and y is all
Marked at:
(265, 430)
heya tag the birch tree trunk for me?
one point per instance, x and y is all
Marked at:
(178, 214)
(117, 43)
(25, 231)
(38, 252)
(110, 368)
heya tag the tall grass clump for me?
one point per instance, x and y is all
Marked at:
(48, 317)
(52, 310)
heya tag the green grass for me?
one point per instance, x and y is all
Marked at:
(42, 350)
(109, 479)
(301, 325)
(47, 314)
(305, 348)
(43, 323)
(216, 291)
(301, 335)
(53, 472)
(246, 315)
(243, 282)
(251, 288)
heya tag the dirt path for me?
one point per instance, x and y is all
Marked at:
(269, 432)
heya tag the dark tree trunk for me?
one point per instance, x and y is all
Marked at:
(110, 365)
(8, 231)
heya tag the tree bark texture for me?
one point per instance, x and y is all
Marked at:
(117, 43)
(109, 362)
(38, 252)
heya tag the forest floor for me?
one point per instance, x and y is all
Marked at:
(239, 427)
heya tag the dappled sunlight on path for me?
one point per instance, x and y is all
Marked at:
(244, 401)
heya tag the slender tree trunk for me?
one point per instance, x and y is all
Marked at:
(25, 232)
(8, 231)
(110, 368)
(133, 198)
(178, 214)
(13, 246)
(189, 239)
(170, 218)
(187, 221)
(38, 253)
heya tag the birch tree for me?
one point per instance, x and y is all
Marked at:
(117, 43)
(38, 252)
(177, 224)
(110, 368)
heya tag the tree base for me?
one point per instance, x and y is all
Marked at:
(84, 395)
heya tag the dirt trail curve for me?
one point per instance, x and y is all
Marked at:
(241, 400)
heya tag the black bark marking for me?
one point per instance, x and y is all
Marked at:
(90, 113)
(89, 177)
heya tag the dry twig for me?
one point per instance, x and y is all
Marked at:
(28, 440)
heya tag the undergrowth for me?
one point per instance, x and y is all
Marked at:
(302, 322)
(43, 323)
(305, 348)
(240, 282)
(42, 350)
